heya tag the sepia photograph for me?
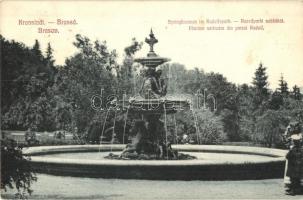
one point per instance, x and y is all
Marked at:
(144, 100)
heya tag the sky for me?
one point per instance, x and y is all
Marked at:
(235, 54)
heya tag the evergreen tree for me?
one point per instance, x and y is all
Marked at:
(36, 49)
(283, 86)
(296, 94)
(49, 59)
(49, 55)
(260, 83)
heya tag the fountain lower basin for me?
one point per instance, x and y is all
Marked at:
(214, 163)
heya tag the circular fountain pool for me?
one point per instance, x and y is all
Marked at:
(201, 157)
(213, 162)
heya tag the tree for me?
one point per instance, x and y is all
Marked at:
(195, 80)
(203, 126)
(49, 59)
(283, 87)
(133, 48)
(26, 81)
(49, 53)
(260, 85)
(296, 93)
(227, 99)
(36, 49)
(276, 100)
(177, 78)
(211, 85)
(210, 127)
(84, 75)
(270, 127)
(245, 112)
(293, 109)
(127, 72)
(16, 171)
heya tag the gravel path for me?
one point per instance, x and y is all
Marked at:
(57, 187)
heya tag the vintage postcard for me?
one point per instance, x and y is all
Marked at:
(151, 99)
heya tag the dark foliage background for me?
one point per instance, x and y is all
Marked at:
(39, 95)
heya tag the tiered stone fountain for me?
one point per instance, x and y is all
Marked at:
(151, 140)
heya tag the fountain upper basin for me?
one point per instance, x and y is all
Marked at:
(152, 61)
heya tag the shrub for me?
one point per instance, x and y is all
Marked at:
(203, 126)
(16, 171)
(210, 127)
(270, 127)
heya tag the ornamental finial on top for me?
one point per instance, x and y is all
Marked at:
(152, 40)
